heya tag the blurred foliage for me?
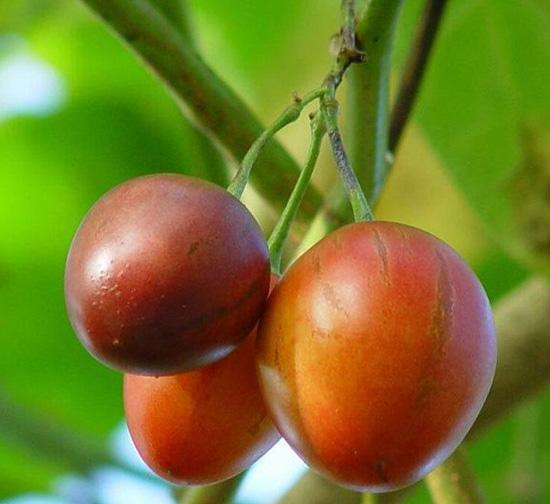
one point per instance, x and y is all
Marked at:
(488, 79)
(466, 171)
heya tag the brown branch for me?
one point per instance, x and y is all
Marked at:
(415, 68)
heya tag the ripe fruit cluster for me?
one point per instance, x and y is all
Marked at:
(373, 356)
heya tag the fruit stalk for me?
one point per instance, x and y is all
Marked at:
(359, 204)
(348, 54)
(366, 112)
(289, 115)
(280, 232)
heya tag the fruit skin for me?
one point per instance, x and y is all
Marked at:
(375, 354)
(204, 426)
(165, 274)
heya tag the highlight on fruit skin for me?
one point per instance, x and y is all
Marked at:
(204, 426)
(375, 354)
(165, 274)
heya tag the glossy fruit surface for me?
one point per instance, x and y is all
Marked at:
(165, 274)
(203, 426)
(375, 354)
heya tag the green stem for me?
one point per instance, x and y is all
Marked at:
(368, 95)
(289, 115)
(454, 482)
(367, 132)
(176, 12)
(214, 104)
(220, 493)
(359, 204)
(280, 232)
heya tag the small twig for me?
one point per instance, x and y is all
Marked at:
(348, 27)
(415, 69)
(348, 48)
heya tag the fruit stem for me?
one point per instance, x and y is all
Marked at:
(289, 115)
(454, 482)
(219, 493)
(366, 111)
(280, 232)
(359, 204)
(348, 54)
